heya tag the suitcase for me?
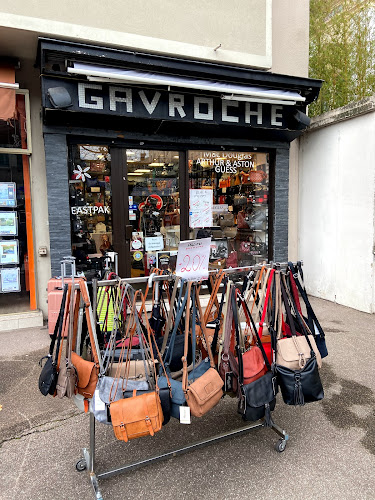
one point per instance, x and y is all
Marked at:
(55, 293)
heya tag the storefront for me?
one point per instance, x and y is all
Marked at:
(17, 276)
(143, 151)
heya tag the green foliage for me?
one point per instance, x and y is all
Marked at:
(342, 51)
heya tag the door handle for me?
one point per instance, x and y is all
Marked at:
(128, 232)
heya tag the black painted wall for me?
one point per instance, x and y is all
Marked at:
(280, 215)
(56, 152)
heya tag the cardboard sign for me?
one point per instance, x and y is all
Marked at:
(192, 259)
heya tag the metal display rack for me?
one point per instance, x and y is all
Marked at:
(87, 462)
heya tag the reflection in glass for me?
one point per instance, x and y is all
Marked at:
(239, 183)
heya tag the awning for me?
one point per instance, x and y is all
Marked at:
(7, 92)
(229, 91)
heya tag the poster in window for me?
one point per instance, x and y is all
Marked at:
(200, 212)
(8, 224)
(9, 252)
(10, 280)
(8, 194)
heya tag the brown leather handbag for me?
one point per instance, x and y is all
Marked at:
(207, 390)
(228, 366)
(137, 416)
(87, 371)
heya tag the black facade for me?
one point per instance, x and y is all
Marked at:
(153, 117)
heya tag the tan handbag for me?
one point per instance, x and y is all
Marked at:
(87, 376)
(135, 370)
(207, 390)
(137, 416)
(293, 352)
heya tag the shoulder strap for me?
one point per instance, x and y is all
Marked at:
(57, 333)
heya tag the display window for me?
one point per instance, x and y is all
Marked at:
(90, 205)
(154, 209)
(228, 201)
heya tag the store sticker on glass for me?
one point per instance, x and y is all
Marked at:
(132, 215)
(192, 259)
(154, 243)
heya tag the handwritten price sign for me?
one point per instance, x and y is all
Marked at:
(192, 259)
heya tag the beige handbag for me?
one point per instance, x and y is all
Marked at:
(293, 352)
(207, 390)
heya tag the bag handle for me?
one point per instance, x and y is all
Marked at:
(301, 287)
(213, 296)
(265, 305)
(218, 319)
(259, 342)
(290, 318)
(168, 322)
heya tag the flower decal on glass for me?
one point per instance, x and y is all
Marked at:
(81, 173)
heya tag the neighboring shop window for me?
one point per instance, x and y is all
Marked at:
(154, 209)
(228, 199)
(90, 205)
(14, 262)
(14, 129)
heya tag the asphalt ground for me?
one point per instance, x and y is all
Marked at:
(330, 453)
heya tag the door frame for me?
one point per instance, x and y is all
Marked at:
(122, 228)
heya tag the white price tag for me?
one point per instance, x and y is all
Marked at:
(98, 403)
(185, 415)
(192, 259)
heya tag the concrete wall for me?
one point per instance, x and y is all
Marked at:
(336, 205)
(258, 33)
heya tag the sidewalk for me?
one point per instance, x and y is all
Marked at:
(330, 454)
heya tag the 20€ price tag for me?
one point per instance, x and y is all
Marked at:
(192, 259)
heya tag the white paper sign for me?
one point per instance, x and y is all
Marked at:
(220, 208)
(185, 415)
(192, 259)
(200, 208)
(154, 243)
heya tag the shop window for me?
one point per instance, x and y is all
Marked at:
(14, 258)
(154, 209)
(228, 199)
(90, 206)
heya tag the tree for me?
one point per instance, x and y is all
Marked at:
(342, 51)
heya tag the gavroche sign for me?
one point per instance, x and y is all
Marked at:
(139, 102)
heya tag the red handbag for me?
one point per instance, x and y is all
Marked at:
(232, 260)
(254, 365)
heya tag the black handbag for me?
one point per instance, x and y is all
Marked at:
(257, 399)
(299, 386)
(48, 375)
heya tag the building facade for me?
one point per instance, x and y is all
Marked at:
(141, 121)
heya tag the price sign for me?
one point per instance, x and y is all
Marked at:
(192, 259)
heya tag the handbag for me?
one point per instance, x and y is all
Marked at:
(294, 351)
(232, 259)
(257, 176)
(228, 365)
(226, 220)
(230, 232)
(258, 398)
(137, 416)
(140, 414)
(48, 375)
(206, 391)
(67, 377)
(245, 246)
(257, 220)
(239, 200)
(301, 385)
(243, 220)
(311, 319)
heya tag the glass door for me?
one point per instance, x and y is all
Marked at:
(153, 179)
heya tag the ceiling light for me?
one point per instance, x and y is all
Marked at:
(134, 173)
(176, 156)
(156, 165)
(130, 153)
(143, 170)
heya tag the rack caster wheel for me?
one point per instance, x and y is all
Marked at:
(81, 465)
(280, 445)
